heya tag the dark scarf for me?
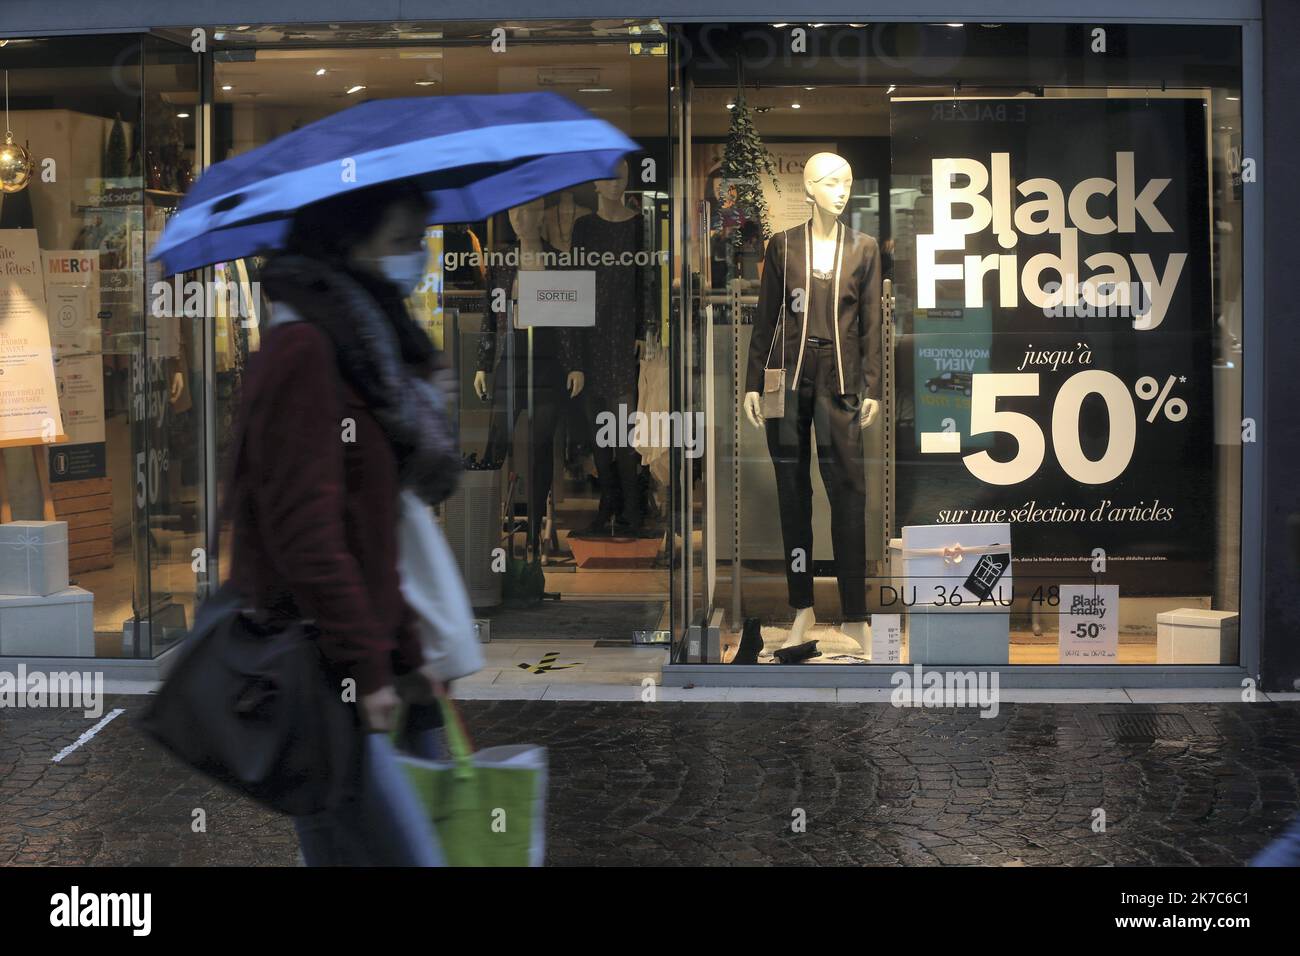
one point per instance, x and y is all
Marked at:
(386, 358)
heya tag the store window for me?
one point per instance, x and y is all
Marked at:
(973, 364)
(560, 520)
(101, 413)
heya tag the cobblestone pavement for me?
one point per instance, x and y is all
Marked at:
(680, 783)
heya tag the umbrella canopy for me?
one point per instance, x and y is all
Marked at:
(472, 155)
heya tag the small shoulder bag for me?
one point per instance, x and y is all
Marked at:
(774, 378)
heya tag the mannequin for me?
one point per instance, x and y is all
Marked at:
(614, 347)
(555, 377)
(830, 350)
(557, 226)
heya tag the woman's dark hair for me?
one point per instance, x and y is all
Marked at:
(328, 229)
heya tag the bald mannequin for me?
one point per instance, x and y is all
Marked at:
(820, 303)
(827, 182)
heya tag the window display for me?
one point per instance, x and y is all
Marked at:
(540, 311)
(104, 385)
(1055, 354)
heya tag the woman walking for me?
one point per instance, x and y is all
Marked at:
(341, 410)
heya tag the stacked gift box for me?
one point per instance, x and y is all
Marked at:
(40, 615)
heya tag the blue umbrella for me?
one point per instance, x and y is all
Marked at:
(473, 156)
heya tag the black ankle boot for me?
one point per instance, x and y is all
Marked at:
(599, 527)
(751, 642)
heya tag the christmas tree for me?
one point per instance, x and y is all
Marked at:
(744, 161)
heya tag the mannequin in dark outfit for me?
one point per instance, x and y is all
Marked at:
(555, 377)
(831, 353)
(614, 347)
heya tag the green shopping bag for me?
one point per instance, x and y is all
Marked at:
(488, 807)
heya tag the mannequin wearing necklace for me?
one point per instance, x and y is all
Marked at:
(819, 310)
(613, 348)
(557, 227)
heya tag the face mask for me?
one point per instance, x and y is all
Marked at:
(404, 271)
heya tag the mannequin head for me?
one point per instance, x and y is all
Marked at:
(526, 219)
(613, 189)
(827, 182)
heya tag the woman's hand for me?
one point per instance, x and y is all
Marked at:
(420, 686)
(379, 710)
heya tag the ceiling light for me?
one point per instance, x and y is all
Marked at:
(595, 89)
(731, 106)
(957, 25)
(321, 71)
(426, 82)
(227, 87)
(810, 87)
(356, 89)
(1233, 99)
(182, 115)
(794, 106)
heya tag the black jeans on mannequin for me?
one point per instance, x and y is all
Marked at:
(816, 407)
(508, 411)
(619, 468)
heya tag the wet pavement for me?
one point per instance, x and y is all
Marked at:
(731, 784)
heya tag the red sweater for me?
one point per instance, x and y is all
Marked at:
(315, 515)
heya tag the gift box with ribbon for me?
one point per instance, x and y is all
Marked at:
(957, 564)
(956, 588)
(33, 557)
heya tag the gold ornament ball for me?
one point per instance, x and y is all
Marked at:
(15, 166)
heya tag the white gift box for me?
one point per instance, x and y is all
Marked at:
(53, 625)
(956, 564)
(33, 557)
(1190, 635)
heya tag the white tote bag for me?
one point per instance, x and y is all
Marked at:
(432, 586)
